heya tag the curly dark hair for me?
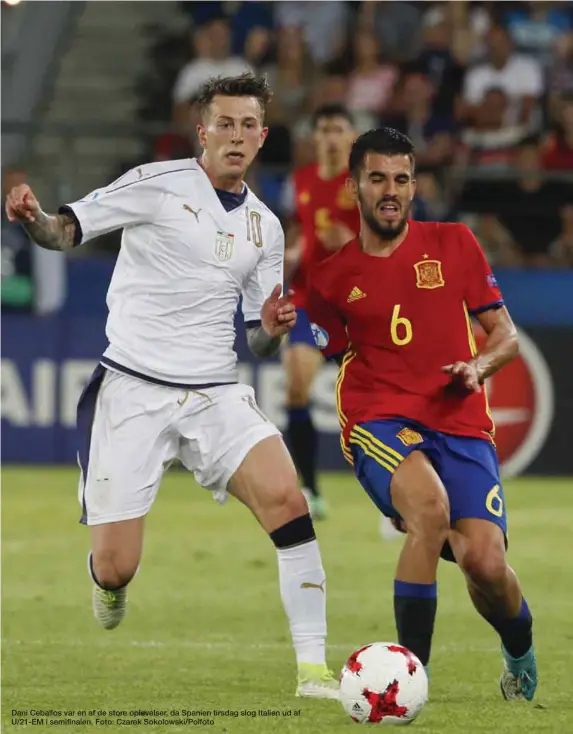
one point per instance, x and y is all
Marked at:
(244, 85)
(383, 140)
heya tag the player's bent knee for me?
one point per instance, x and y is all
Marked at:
(298, 390)
(112, 569)
(298, 396)
(484, 566)
(287, 501)
(431, 519)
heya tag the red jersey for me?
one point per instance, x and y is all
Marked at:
(557, 155)
(319, 204)
(400, 319)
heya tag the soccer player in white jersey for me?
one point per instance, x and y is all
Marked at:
(195, 239)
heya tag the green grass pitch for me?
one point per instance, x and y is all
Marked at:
(205, 627)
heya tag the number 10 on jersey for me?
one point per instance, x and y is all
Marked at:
(254, 229)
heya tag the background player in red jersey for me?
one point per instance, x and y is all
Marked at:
(396, 302)
(325, 218)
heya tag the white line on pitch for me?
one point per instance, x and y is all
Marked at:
(221, 645)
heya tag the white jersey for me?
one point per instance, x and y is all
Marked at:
(183, 265)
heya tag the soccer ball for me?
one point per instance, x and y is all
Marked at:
(383, 683)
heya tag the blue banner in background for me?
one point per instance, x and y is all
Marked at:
(46, 362)
(534, 297)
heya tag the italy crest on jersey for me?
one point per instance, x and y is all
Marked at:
(224, 245)
(429, 274)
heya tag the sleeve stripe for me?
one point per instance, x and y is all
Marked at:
(253, 324)
(487, 307)
(146, 178)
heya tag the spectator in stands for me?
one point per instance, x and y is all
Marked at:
(17, 273)
(329, 88)
(212, 42)
(323, 25)
(444, 56)
(558, 150)
(432, 134)
(469, 24)
(535, 27)
(291, 75)
(519, 76)
(488, 142)
(246, 19)
(257, 47)
(562, 248)
(180, 141)
(431, 202)
(561, 73)
(530, 210)
(371, 83)
(397, 26)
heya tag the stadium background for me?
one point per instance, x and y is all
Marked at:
(88, 93)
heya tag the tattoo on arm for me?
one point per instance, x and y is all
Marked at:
(261, 344)
(52, 232)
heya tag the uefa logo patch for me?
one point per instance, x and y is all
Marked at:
(320, 336)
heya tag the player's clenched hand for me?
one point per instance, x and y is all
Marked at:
(465, 373)
(278, 314)
(22, 205)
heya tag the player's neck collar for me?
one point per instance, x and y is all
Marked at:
(242, 193)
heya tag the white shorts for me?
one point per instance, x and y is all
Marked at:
(131, 430)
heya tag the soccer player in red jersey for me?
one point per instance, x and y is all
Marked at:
(397, 304)
(325, 218)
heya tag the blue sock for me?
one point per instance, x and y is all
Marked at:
(298, 415)
(515, 632)
(415, 607)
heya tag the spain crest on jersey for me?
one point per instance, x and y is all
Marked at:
(410, 437)
(429, 274)
(224, 246)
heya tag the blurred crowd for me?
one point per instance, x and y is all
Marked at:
(484, 89)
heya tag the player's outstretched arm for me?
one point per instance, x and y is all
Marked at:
(502, 344)
(52, 232)
(500, 348)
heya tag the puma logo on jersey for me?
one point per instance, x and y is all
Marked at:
(192, 211)
(355, 295)
(310, 585)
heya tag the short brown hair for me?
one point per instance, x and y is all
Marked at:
(244, 85)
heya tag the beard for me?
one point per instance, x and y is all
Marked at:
(384, 230)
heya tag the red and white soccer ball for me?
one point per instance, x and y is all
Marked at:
(383, 683)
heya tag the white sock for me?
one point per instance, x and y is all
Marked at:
(303, 592)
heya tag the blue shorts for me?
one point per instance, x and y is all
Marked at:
(468, 467)
(302, 332)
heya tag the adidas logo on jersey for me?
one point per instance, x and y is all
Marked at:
(355, 295)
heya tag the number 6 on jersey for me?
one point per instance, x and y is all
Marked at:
(402, 335)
